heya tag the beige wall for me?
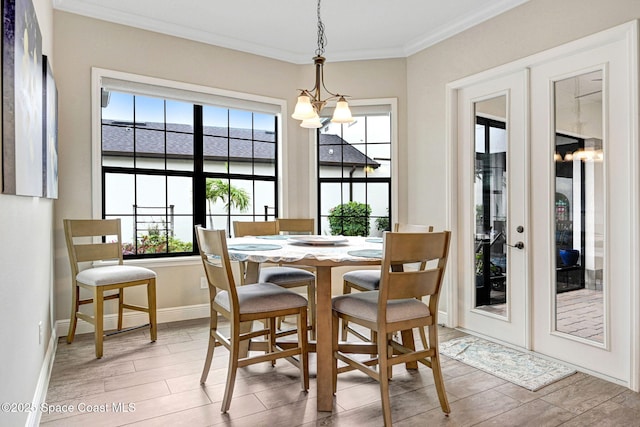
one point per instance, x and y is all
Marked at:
(82, 43)
(26, 277)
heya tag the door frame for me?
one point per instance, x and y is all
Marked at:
(627, 32)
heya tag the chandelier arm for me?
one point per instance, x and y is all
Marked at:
(333, 95)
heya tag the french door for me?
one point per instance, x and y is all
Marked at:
(493, 195)
(583, 265)
(548, 204)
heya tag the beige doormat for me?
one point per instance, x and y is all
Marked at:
(523, 369)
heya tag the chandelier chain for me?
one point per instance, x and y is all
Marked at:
(322, 39)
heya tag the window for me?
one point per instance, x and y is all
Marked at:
(167, 164)
(354, 173)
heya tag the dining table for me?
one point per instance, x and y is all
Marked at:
(323, 253)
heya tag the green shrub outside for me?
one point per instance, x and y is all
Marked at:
(350, 219)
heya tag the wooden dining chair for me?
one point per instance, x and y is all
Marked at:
(286, 276)
(90, 241)
(369, 280)
(397, 306)
(296, 226)
(238, 304)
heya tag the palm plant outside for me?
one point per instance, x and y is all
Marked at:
(219, 190)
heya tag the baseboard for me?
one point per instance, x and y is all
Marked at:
(33, 420)
(132, 318)
(443, 319)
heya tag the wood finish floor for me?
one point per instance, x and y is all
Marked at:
(144, 384)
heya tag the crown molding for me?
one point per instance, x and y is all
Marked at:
(430, 38)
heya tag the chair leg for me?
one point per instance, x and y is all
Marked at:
(120, 307)
(98, 319)
(436, 370)
(234, 354)
(213, 326)
(423, 338)
(151, 304)
(383, 368)
(335, 330)
(304, 351)
(407, 341)
(73, 319)
(311, 294)
(272, 337)
(346, 289)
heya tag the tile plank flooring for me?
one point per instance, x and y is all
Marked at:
(144, 384)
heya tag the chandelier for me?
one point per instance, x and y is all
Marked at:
(310, 102)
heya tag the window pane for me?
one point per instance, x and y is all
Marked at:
(264, 197)
(240, 195)
(241, 156)
(216, 154)
(117, 145)
(179, 194)
(354, 133)
(265, 158)
(119, 195)
(331, 196)
(119, 107)
(380, 164)
(151, 190)
(179, 116)
(149, 112)
(150, 144)
(240, 124)
(215, 121)
(181, 234)
(378, 129)
(378, 198)
(179, 151)
(264, 127)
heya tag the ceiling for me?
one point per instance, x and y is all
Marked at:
(286, 29)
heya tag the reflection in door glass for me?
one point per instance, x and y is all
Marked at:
(578, 208)
(490, 194)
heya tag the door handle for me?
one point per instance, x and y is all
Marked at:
(518, 245)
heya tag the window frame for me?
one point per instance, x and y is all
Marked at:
(199, 94)
(361, 106)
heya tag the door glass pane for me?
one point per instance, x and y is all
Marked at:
(579, 206)
(490, 197)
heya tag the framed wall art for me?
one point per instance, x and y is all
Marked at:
(50, 126)
(22, 100)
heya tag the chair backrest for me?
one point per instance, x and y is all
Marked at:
(412, 228)
(212, 245)
(90, 240)
(295, 225)
(423, 249)
(254, 228)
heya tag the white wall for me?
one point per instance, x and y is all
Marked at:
(26, 278)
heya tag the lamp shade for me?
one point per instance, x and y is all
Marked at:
(304, 110)
(342, 113)
(312, 123)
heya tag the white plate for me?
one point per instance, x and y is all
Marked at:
(318, 240)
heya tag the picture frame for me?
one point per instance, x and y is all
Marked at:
(22, 130)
